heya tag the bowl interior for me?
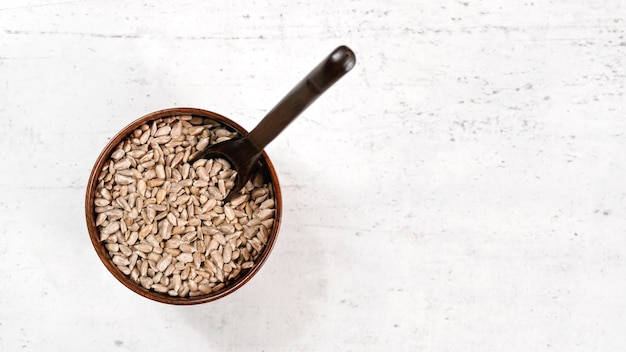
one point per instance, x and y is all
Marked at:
(245, 276)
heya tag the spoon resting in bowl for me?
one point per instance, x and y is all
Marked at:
(244, 152)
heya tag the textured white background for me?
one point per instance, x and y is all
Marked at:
(462, 189)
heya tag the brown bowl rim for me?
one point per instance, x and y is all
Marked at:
(104, 256)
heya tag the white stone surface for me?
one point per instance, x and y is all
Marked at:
(463, 189)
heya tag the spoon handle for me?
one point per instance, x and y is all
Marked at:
(337, 64)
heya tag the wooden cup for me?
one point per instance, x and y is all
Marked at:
(233, 285)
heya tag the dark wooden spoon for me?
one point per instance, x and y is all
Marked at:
(244, 152)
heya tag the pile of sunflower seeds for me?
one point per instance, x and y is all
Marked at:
(163, 221)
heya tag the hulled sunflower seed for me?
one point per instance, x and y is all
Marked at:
(185, 258)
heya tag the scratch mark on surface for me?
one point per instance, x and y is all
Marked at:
(37, 5)
(95, 35)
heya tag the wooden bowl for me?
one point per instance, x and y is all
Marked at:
(102, 252)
